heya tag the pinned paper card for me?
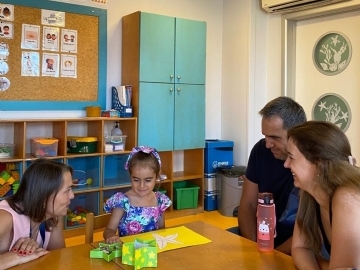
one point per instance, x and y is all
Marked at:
(140, 253)
(172, 238)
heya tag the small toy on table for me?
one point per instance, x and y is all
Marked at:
(140, 253)
(106, 251)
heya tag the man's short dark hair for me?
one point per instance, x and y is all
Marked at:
(287, 109)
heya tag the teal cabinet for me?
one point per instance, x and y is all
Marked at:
(163, 58)
(172, 50)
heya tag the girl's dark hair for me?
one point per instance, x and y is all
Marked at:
(144, 160)
(42, 179)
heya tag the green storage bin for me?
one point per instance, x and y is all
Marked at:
(186, 195)
(81, 144)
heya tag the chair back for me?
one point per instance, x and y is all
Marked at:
(94, 223)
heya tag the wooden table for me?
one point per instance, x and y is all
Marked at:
(226, 251)
(77, 257)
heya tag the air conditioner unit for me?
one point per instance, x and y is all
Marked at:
(286, 6)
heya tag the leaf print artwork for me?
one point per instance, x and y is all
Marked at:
(333, 108)
(332, 53)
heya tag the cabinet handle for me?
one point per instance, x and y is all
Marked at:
(171, 89)
(171, 76)
(178, 89)
(179, 77)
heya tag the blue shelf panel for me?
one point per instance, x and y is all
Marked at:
(86, 202)
(91, 168)
(114, 171)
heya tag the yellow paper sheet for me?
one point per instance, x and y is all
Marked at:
(172, 238)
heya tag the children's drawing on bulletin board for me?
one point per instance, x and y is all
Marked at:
(6, 12)
(50, 64)
(50, 38)
(30, 64)
(53, 17)
(68, 65)
(4, 51)
(4, 68)
(30, 37)
(68, 41)
(6, 30)
(4, 83)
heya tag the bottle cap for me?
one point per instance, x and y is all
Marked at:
(265, 198)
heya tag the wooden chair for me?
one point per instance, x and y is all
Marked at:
(94, 223)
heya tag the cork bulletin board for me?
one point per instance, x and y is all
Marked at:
(57, 93)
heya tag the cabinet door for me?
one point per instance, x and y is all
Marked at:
(156, 115)
(190, 51)
(189, 127)
(157, 37)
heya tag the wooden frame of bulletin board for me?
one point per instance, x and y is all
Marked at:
(57, 93)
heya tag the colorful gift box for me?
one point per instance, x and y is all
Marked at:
(140, 253)
(106, 251)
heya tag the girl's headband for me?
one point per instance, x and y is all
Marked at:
(144, 149)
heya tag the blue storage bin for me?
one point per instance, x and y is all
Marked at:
(218, 153)
(91, 168)
(114, 171)
(82, 203)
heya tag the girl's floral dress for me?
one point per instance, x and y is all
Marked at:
(137, 219)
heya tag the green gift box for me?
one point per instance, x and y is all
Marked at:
(140, 253)
(106, 251)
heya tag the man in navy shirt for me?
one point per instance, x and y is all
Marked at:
(266, 172)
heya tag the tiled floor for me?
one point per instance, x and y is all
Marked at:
(213, 217)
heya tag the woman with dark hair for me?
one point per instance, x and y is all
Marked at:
(32, 218)
(320, 159)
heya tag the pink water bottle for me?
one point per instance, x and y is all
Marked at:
(266, 221)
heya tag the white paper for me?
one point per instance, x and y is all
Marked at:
(30, 64)
(4, 51)
(50, 64)
(69, 40)
(4, 68)
(7, 30)
(6, 12)
(30, 37)
(4, 83)
(50, 38)
(53, 17)
(68, 65)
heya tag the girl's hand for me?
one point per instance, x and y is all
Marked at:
(25, 246)
(37, 253)
(113, 239)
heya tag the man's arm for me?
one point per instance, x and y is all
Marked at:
(247, 210)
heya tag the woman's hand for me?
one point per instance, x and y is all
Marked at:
(37, 253)
(25, 246)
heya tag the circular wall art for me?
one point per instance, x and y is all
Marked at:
(332, 108)
(332, 53)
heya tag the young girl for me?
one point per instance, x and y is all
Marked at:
(139, 209)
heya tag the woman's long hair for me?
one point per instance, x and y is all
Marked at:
(325, 145)
(42, 179)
